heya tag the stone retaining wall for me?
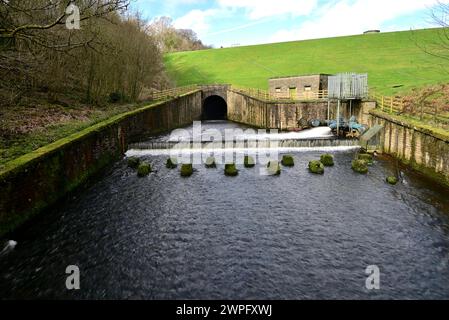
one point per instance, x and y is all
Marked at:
(39, 179)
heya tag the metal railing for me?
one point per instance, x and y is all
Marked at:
(172, 93)
(267, 96)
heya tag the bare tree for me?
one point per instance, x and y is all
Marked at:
(42, 22)
(438, 47)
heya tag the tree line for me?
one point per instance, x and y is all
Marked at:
(94, 50)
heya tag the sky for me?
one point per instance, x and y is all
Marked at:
(246, 22)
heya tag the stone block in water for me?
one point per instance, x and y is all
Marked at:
(186, 170)
(144, 169)
(392, 180)
(288, 161)
(249, 162)
(366, 157)
(171, 163)
(315, 166)
(327, 160)
(360, 166)
(210, 162)
(231, 170)
(274, 168)
(133, 162)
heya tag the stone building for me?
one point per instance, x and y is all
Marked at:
(298, 87)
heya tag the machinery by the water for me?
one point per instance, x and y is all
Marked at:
(348, 128)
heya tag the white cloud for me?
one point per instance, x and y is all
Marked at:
(197, 20)
(257, 9)
(351, 17)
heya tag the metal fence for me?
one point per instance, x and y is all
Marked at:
(348, 86)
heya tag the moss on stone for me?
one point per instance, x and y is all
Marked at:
(171, 163)
(186, 170)
(315, 166)
(392, 180)
(231, 170)
(288, 161)
(366, 157)
(327, 160)
(274, 168)
(133, 162)
(144, 169)
(249, 162)
(360, 166)
(210, 163)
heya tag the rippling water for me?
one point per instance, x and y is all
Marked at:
(296, 236)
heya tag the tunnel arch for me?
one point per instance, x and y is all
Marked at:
(215, 108)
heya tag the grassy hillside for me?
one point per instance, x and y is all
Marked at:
(391, 59)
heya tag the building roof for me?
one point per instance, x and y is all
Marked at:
(300, 76)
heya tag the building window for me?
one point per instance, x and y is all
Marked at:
(307, 88)
(278, 90)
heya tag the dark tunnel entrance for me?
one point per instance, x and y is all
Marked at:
(215, 108)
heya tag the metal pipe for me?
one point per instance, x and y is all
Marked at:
(338, 118)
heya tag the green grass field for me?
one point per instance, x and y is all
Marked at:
(394, 61)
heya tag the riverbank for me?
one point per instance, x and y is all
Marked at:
(26, 128)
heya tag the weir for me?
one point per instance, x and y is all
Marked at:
(237, 144)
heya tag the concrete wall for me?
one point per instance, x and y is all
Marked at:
(422, 149)
(258, 113)
(316, 82)
(39, 179)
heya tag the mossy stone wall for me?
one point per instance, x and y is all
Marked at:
(420, 148)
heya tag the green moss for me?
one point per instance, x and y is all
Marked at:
(366, 157)
(360, 166)
(133, 162)
(249, 162)
(171, 163)
(186, 170)
(315, 166)
(231, 170)
(144, 169)
(210, 163)
(392, 180)
(274, 168)
(288, 161)
(327, 160)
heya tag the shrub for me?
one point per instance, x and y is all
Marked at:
(171, 163)
(327, 160)
(274, 168)
(249, 162)
(144, 169)
(133, 162)
(288, 161)
(360, 166)
(186, 170)
(231, 170)
(316, 167)
(210, 162)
